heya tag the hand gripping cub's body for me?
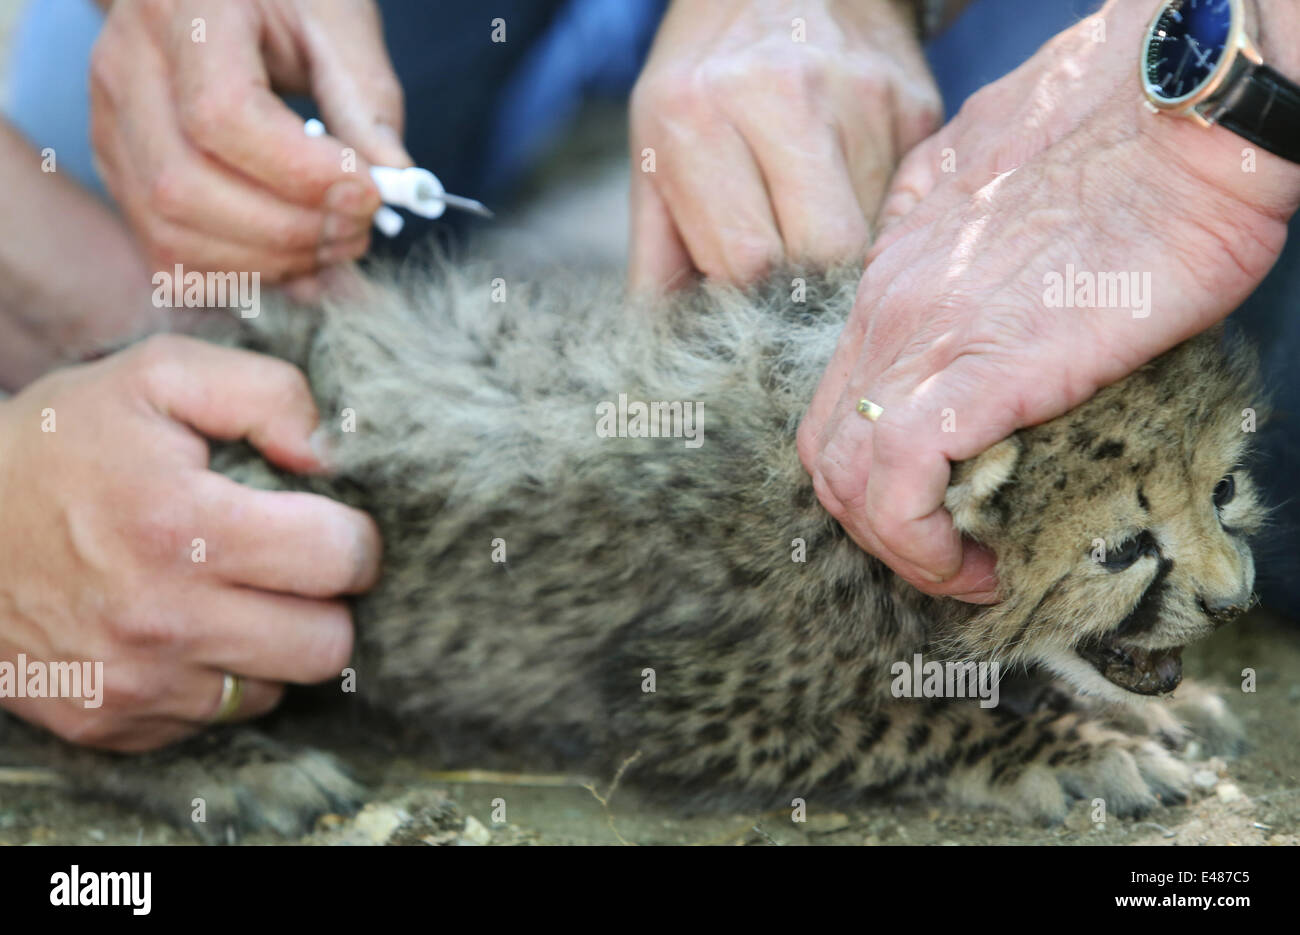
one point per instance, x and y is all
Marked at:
(541, 577)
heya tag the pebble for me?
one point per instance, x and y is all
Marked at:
(1229, 792)
(1205, 779)
(377, 821)
(475, 833)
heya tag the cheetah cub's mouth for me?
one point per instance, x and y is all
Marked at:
(1142, 671)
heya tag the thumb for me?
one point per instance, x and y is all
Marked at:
(354, 85)
(230, 394)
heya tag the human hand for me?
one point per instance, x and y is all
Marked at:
(955, 331)
(99, 553)
(768, 145)
(209, 166)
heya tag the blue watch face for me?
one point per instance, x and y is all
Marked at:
(1186, 46)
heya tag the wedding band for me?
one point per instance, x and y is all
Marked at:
(869, 410)
(232, 692)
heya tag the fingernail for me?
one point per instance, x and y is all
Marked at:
(322, 447)
(339, 227)
(351, 197)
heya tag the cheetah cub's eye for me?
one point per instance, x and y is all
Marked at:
(1224, 491)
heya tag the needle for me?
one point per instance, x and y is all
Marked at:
(461, 203)
(417, 190)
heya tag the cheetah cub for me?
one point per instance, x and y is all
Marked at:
(554, 595)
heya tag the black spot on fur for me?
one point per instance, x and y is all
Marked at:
(712, 733)
(1108, 449)
(874, 730)
(1142, 500)
(1082, 437)
(979, 750)
(797, 768)
(918, 737)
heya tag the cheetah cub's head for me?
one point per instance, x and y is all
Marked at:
(1121, 528)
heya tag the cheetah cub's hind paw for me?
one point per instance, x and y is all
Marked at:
(225, 784)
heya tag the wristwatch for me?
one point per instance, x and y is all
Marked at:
(1200, 60)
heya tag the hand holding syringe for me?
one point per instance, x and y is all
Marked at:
(417, 190)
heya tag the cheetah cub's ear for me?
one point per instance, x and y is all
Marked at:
(975, 481)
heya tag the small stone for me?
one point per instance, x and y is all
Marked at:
(1079, 818)
(1205, 779)
(1230, 792)
(475, 833)
(377, 822)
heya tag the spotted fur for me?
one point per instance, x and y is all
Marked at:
(628, 557)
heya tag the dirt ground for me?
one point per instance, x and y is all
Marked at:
(1253, 800)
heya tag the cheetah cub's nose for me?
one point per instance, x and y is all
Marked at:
(1223, 610)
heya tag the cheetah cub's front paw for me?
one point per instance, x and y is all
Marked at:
(1058, 759)
(1194, 720)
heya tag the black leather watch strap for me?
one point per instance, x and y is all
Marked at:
(1264, 107)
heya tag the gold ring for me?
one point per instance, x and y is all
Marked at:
(869, 410)
(232, 692)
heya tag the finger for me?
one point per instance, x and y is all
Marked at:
(232, 394)
(273, 637)
(904, 498)
(205, 694)
(135, 735)
(139, 691)
(823, 415)
(354, 84)
(657, 258)
(298, 543)
(917, 176)
(160, 180)
(811, 189)
(170, 243)
(720, 205)
(229, 111)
